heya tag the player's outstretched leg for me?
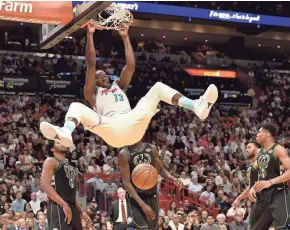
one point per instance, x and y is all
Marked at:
(76, 113)
(201, 107)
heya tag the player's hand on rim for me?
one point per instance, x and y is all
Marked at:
(124, 32)
(67, 213)
(148, 211)
(91, 27)
(260, 185)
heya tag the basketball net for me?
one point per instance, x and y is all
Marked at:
(117, 18)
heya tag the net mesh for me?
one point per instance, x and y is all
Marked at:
(47, 30)
(116, 17)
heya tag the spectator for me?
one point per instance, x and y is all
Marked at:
(207, 196)
(175, 224)
(192, 222)
(18, 187)
(209, 225)
(22, 225)
(221, 222)
(187, 207)
(108, 166)
(185, 179)
(41, 225)
(34, 203)
(232, 211)
(96, 182)
(41, 195)
(194, 186)
(109, 187)
(172, 209)
(204, 215)
(93, 167)
(18, 204)
(238, 223)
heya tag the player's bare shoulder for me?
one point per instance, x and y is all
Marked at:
(124, 155)
(280, 151)
(50, 162)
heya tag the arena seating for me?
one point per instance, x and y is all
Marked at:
(185, 144)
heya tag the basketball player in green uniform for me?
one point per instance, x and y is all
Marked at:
(143, 204)
(271, 192)
(58, 181)
(252, 151)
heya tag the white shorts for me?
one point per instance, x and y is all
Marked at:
(126, 129)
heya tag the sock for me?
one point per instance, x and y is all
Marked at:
(69, 126)
(186, 103)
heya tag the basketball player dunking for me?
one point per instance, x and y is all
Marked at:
(112, 117)
(142, 204)
(64, 211)
(271, 192)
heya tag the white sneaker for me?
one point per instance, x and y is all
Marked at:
(56, 133)
(206, 101)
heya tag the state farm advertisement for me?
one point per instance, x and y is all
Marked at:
(57, 13)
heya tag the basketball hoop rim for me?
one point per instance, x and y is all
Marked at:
(100, 27)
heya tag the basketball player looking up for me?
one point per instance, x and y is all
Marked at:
(64, 211)
(143, 204)
(112, 118)
(252, 151)
(273, 198)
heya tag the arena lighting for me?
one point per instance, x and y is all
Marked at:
(142, 35)
(278, 47)
(211, 73)
(185, 39)
(259, 45)
(206, 40)
(164, 36)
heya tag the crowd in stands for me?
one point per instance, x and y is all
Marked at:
(208, 156)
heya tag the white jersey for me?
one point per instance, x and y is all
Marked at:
(111, 101)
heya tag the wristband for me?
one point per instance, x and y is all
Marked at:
(270, 182)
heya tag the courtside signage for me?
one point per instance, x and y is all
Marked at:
(57, 13)
(221, 15)
(211, 73)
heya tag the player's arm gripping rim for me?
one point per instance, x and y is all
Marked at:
(162, 171)
(128, 71)
(126, 178)
(90, 83)
(282, 155)
(49, 166)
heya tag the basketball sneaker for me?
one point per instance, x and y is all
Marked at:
(55, 133)
(206, 101)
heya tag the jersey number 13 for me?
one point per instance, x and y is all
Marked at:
(118, 97)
